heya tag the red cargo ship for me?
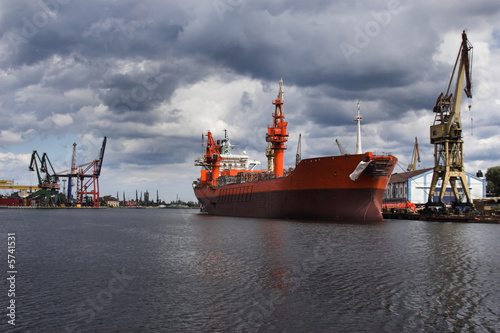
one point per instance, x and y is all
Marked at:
(345, 187)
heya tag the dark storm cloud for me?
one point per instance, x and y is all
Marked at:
(258, 39)
(94, 29)
(163, 150)
(305, 45)
(60, 57)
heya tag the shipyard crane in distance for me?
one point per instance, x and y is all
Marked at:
(446, 133)
(72, 173)
(415, 157)
(47, 178)
(87, 185)
(49, 181)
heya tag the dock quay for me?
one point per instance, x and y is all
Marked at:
(443, 218)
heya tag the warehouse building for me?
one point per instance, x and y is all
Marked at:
(414, 186)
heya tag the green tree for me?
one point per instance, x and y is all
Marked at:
(493, 180)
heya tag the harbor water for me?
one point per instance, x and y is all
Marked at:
(175, 270)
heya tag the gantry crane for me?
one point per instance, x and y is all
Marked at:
(88, 179)
(9, 185)
(277, 134)
(446, 132)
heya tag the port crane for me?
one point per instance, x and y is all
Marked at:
(446, 132)
(87, 185)
(47, 178)
(72, 173)
(415, 157)
(87, 176)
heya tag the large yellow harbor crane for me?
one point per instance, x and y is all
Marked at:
(446, 133)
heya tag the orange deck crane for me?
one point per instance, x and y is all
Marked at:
(212, 158)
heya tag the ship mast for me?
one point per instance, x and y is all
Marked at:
(358, 118)
(277, 134)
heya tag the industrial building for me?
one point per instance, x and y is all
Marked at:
(414, 186)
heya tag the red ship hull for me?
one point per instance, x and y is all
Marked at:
(318, 188)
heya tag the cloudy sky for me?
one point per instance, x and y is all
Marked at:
(154, 75)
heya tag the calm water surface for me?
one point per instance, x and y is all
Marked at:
(160, 270)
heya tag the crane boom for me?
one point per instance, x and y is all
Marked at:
(72, 172)
(342, 150)
(298, 156)
(415, 157)
(101, 156)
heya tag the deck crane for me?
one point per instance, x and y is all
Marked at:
(446, 132)
(341, 148)
(298, 156)
(415, 157)
(270, 157)
(210, 160)
(88, 179)
(213, 158)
